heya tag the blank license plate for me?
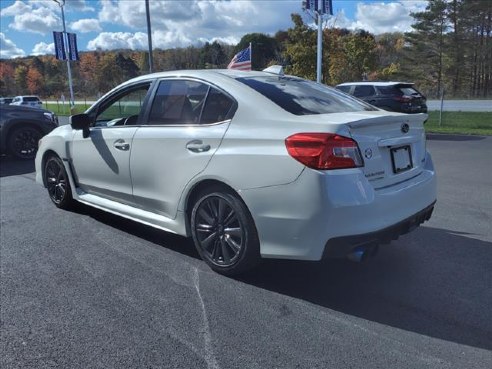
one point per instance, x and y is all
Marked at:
(401, 158)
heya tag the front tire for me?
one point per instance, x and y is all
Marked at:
(23, 142)
(57, 183)
(224, 232)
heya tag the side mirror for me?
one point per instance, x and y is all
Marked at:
(81, 122)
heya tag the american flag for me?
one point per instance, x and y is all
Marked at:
(242, 60)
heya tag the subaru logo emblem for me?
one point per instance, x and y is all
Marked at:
(405, 128)
(368, 153)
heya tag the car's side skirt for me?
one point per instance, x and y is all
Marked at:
(176, 225)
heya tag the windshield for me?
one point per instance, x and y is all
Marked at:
(302, 97)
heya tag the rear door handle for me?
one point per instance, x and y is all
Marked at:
(197, 146)
(121, 145)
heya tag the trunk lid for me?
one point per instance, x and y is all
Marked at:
(393, 147)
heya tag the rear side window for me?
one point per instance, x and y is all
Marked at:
(217, 107)
(188, 102)
(31, 98)
(302, 97)
(363, 90)
(388, 90)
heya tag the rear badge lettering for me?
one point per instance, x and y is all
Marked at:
(375, 174)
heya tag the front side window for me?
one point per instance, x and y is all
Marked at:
(188, 102)
(301, 97)
(345, 89)
(124, 109)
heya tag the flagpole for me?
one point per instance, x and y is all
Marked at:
(61, 3)
(251, 55)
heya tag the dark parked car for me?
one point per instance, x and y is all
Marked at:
(392, 96)
(6, 100)
(21, 127)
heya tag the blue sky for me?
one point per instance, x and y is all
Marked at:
(26, 25)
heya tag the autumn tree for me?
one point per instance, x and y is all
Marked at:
(34, 81)
(7, 79)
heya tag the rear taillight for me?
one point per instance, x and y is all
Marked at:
(324, 150)
(403, 99)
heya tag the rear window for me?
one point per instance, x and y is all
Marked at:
(302, 97)
(31, 98)
(408, 91)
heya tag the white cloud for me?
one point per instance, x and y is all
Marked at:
(182, 23)
(386, 17)
(119, 40)
(86, 25)
(8, 49)
(32, 17)
(79, 5)
(43, 48)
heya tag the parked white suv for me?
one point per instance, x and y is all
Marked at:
(33, 101)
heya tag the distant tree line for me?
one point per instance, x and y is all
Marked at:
(450, 49)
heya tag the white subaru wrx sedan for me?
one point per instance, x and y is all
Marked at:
(250, 165)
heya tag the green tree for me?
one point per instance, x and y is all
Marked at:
(300, 49)
(20, 76)
(427, 42)
(265, 49)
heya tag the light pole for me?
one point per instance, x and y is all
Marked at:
(61, 3)
(149, 35)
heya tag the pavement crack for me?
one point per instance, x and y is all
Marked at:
(209, 352)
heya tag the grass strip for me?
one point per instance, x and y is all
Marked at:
(458, 122)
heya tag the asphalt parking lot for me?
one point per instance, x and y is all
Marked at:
(86, 289)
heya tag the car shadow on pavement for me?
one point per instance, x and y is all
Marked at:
(159, 237)
(11, 167)
(451, 137)
(432, 282)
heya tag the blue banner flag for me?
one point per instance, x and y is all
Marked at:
(312, 4)
(73, 53)
(327, 7)
(59, 46)
(320, 6)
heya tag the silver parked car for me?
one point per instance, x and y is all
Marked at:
(250, 165)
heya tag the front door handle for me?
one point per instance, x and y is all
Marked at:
(197, 146)
(121, 145)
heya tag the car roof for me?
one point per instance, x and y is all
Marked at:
(202, 73)
(375, 83)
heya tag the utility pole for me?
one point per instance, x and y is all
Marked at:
(149, 36)
(61, 3)
(316, 9)
(320, 45)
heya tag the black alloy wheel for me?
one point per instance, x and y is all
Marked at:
(57, 183)
(23, 142)
(224, 233)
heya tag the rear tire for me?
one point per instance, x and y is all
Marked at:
(23, 142)
(57, 183)
(224, 232)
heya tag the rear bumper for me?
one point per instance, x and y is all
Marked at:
(340, 247)
(329, 213)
